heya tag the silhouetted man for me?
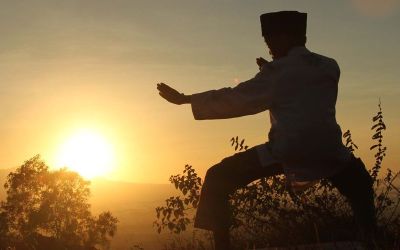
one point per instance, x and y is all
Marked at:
(299, 88)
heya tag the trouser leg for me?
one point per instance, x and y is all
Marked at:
(222, 179)
(355, 183)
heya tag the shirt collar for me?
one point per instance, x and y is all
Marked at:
(298, 50)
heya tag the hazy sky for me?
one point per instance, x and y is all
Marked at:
(68, 65)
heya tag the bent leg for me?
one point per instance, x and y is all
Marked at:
(355, 183)
(221, 180)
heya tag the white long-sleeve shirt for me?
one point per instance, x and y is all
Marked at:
(300, 92)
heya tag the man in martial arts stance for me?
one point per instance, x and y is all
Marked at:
(299, 88)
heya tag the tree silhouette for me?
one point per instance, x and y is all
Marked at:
(51, 208)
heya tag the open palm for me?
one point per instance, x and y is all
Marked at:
(171, 95)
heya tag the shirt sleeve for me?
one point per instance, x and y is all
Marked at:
(247, 98)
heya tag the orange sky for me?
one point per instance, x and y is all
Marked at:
(70, 65)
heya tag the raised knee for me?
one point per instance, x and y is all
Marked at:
(219, 170)
(213, 172)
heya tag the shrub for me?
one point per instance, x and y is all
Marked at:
(267, 214)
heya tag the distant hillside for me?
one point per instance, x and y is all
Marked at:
(134, 205)
(125, 194)
(118, 194)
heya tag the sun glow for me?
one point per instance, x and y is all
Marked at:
(87, 153)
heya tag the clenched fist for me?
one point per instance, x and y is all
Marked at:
(260, 62)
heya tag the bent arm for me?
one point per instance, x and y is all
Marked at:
(247, 98)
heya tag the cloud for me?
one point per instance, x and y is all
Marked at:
(376, 8)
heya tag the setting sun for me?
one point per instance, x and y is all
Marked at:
(87, 153)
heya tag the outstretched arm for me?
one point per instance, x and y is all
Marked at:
(247, 98)
(172, 95)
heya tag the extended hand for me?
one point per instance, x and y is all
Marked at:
(172, 95)
(260, 62)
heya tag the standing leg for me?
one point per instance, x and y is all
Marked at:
(355, 183)
(221, 180)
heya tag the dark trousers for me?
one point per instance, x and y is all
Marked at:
(222, 179)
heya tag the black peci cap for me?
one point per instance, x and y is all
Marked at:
(292, 22)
